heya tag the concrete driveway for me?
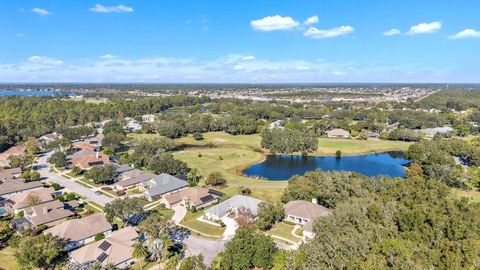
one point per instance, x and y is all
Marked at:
(180, 213)
(44, 169)
(230, 228)
(208, 248)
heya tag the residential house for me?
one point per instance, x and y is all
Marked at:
(86, 159)
(161, 185)
(17, 150)
(148, 118)
(373, 135)
(196, 196)
(305, 213)
(78, 232)
(133, 126)
(49, 138)
(277, 125)
(230, 205)
(84, 145)
(431, 132)
(11, 183)
(132, 177)
(23, 200)
(50, 213)
(338, 133)
(116, 250)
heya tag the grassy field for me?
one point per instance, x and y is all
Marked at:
(328, 146)
(190, 221)
(7, 260)
(474, 196)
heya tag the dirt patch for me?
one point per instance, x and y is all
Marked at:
(219, 140)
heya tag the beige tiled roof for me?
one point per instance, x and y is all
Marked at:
(118, 247)
(47, 212)
(14, 150)
(306, 210)
(193, 195)
(21, 200)
(9, 183)
(79, 229)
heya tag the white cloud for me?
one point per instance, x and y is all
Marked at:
(313, 32)
(43, 60)
(109, 9)
(467, 33)
(425, 28)
(391, 32)
(40, 11)
(311, 20)
(108, 56)
(272, 23)
(248, 58)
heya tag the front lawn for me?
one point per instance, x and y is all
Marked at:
(283, 230)
(167, 213)
(190, 221)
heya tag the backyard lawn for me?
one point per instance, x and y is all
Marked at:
(7, 259)
(190, 221)
(328, 146)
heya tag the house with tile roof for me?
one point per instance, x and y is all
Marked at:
(86, 159)
(50, 213)
(232, 204)
(17, 150)
(12, 184)
(26, 199)
(116, 250)
(133, 177)
(78, 232)
(304, 213)
(192, 196)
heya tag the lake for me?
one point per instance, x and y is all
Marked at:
(282, 167)
(29, 93)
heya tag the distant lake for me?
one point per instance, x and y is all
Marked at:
(29, 93)
(282, 167)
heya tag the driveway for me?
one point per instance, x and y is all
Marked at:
(44, 170)
(230, 228)
(180, 213)
(208, 248)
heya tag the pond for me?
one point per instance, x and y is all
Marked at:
(282, 167)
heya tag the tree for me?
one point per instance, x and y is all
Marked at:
(267, 215)
(59, 159)
(193, 263)
(31, 146)
(42, 251)
(155, 226)
(193, 177)
(414, 170)
(216, 179)
(248, 249)
(101, 174)
(22, 161)
(140, 251)
(113, 141)
(113, 127)
(289, 141)
(165, 163)
(32, 199)
(6, 232)
(156, 249)
(198, 136)
(31, 175)
(129, 210)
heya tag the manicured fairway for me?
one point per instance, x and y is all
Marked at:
(7, 259)
(328, 146)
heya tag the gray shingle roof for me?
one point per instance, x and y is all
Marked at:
(236, 201)
(163, 183)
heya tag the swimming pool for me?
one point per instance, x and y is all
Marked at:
(3, 212)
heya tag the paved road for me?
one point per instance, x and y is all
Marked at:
(209, 248)
(43, 169)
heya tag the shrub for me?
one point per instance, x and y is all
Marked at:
(106, 188)
(120, 192)
(70, 196)
(99, 236)
(198, 136)
(215, 179)
(338, 154)
(56, 186)
(41, 228)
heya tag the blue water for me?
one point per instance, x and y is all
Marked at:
(28, 93)
(3, 212)
(282, 167)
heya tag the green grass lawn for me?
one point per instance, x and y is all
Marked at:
(190, 221)
(328, 146)
(167, 213)
(7, 259)
(283, 230)
(473, 195)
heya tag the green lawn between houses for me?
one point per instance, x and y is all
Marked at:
(7, 259)
(283, 230)
(233, 153)
(211, 231)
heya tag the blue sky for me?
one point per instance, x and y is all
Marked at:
(244, 41)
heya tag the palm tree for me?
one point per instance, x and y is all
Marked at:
(139, 252)
(96, 266)
(110, 266)
(155, 248)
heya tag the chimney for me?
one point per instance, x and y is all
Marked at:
(45, 210)
(314, 200)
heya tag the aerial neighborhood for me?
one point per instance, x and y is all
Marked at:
(197, 181)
